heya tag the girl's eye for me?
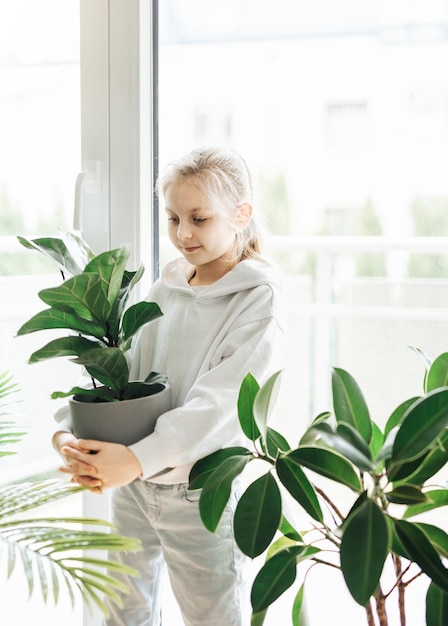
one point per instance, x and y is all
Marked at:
(173, 220)
(199, 220)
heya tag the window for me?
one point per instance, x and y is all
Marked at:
(39, 161)
(340, 110)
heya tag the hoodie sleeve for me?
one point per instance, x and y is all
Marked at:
(208, 419)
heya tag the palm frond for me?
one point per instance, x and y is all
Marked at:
(53, 550)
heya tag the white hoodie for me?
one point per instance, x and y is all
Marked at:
(208, 339)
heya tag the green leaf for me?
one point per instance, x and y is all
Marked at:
(54, 318)
(204, 468)
(397, 415)
(73, 345)
(406, 494)
(377, 440)
(437, 536)
(257, 515)
(246, 397)
(102, 393)
(274, 578)
(216, 491)
(81, 294)
(276, 443)
(363, 550)
(298, 616)
(310, 435)
(294, 479)
(436, 606)
(437, 375)
(264, 403)
(137, 316)
(435, 499)
(328, 464)
(430, 463)
(110, 266)
(70, 252)
(349, 404)
(349, 444)
(289, 531)
(422, 424)
(257, 619)
(422, 552)
(108, 365)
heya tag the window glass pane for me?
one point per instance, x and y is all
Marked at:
(341, 109)
(39, 161)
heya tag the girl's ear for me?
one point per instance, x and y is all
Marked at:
(243, 215)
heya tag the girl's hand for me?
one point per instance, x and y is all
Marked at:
(100, 464)
(65, 444)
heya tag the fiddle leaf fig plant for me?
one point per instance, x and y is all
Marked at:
(369, 527)
(56, 552)
(91, 304)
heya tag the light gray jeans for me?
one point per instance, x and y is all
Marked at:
(206, 570)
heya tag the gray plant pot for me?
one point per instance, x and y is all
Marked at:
(123, 422)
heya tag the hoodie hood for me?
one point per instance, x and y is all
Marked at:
(244, 275)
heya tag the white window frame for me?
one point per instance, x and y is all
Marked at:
(114, 190)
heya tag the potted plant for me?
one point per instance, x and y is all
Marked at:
(57, 552)
(386, 479)
(91, 304)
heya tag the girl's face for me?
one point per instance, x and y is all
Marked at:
(204, 236)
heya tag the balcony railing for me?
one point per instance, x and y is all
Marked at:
(333, 317)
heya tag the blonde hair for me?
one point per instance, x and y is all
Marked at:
(222, 176)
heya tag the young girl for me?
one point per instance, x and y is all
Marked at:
(220, 320)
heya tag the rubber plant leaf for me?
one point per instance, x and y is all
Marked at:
(294, 479)
(437, 536)
(246, 397)
(297, 608)
(363, 551)
(216, 491)
(274, 578)
(435, 499)
(257, 516)
(406, 494)
(277, 575)
(204, 468)
(430, 463)
(397, 415)
(422, 552)
(422, 425)
(436, 606)
(264, 403)
(347, 441)
(275, 443)
(327, 463)
(438, 373)
(349, 403)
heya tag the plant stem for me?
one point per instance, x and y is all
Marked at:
(329, 502)
(370, 618)
(381, 608)
(401, 587)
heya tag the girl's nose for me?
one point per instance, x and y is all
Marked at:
(183, 231)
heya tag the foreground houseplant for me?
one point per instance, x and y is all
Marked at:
(57, 553)
(390, 479)
(91, 304)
